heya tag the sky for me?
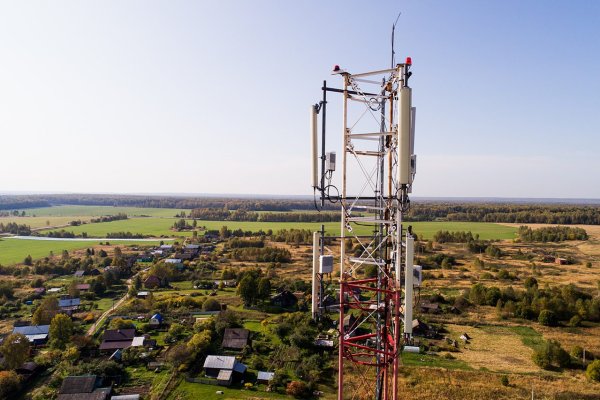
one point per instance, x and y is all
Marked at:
(213, 96)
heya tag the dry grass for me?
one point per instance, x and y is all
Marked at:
(495, 348)
(586, 337)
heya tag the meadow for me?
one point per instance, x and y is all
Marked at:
(162, 227)
(157, 222)
(14, 251)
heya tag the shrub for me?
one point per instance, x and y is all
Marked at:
(551, 355)
(297, 389)
(211, 305)
(593, 371)
(504, 380)
(547, 318)
(575, 321)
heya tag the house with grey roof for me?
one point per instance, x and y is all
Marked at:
(36, 334)
(86, 387)
(225, 369)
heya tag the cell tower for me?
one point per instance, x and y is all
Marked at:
(376, 251)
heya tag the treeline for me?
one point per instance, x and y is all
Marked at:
(10, 202)
(236, 243)
(15, 229)
(551, 234)
(506, 213)
(548, 305)
(18, 202)
(210, 214)
(63, 234)
(125, 235)
(266, 254)
(454, 237)
(109, 218)
(293, 236)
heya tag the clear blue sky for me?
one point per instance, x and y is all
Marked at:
(212, 96)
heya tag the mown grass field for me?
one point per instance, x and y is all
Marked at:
(41, 222)
(161, 227)
(14, 251)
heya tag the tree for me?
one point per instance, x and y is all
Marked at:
(137, 282)
(296, 388)
(264, 288)
(211, 305)
(15, 350)
(178, 355)
(547, 318)
(61, 330)
(593, 371)
(551, 355)
(120, 323)
(47, 309)
(200, 342)
(9, 383)
(73, 290)
(247, 289)
(28, 260)
(98, 286)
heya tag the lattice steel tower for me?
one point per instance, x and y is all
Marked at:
(376, 251)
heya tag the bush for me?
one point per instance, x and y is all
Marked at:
(551, 355)
(575, 321)
(9, 384)
(547, 318)
(211, 305)
(297, 389)
(504, 380)
(593, 371)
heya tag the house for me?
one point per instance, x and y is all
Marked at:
(235, 338)
(225, 369)
(87, 387)
(138, 341)
(152, 282)
(126, 397)
(175, 263)
(36, 334)
(55, 290)
(185, 256)
(143, 294)
(166, 248)
(285, 299)
(69, 305)
(114, 339)
(265, 377)
(156, 320)
(39, 291)
(424, 330)
(561, 261)
(28, 370)
(81, 273)
(83, 287)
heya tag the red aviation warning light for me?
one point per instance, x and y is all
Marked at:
(408, 61)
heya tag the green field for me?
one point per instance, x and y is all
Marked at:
(188, 391)
(97, 211)
(161, 227)
(13, 251)
(40, 222)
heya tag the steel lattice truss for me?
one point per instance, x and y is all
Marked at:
(370, 307)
